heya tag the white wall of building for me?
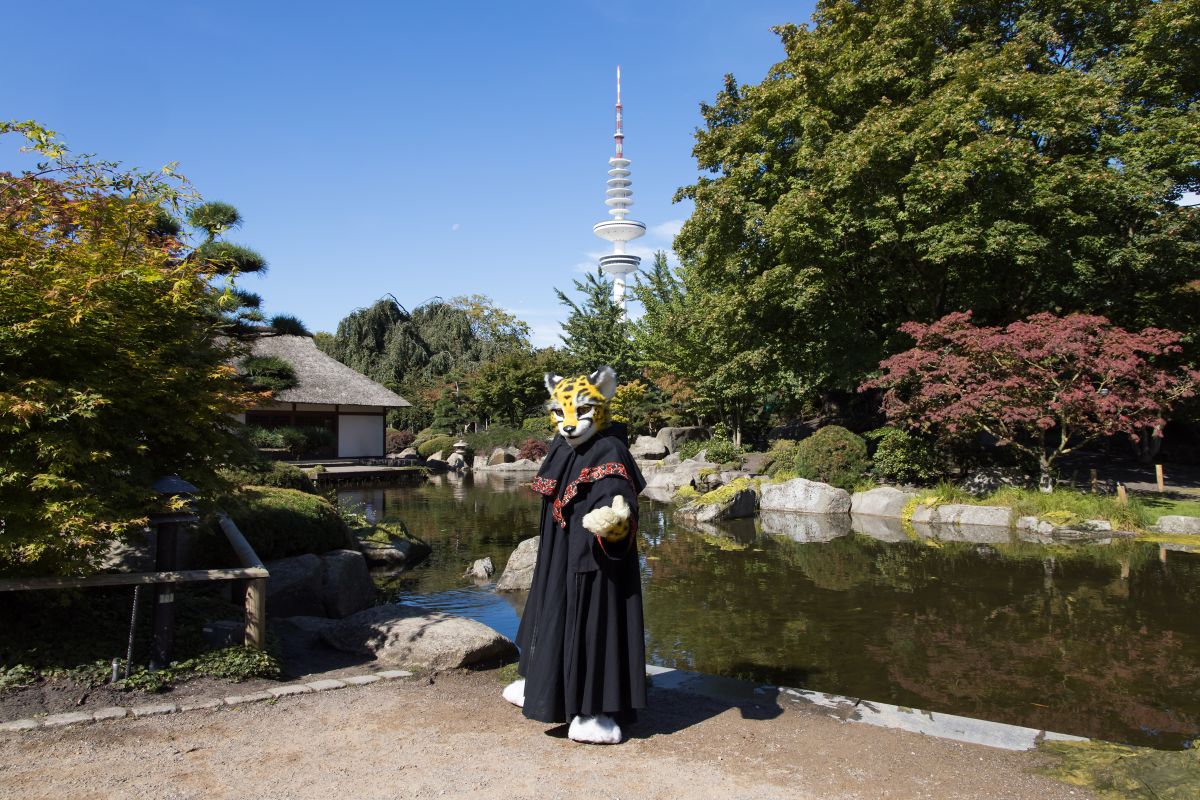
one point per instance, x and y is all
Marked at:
(360, 436)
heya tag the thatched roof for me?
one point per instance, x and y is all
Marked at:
(322, 379)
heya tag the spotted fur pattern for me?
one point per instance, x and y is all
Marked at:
(579, 405)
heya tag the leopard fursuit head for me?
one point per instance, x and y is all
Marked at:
(579, 406)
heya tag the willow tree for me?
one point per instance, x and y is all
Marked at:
(907, 160)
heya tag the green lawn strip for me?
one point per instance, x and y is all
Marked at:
(1121, 772)
(1061, 507)
(1158, 506)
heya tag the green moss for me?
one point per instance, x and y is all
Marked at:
(686, 494)
(507, 674)
(723, 494)
(723, 543)
(1125, 773)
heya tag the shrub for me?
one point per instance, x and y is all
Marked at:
(723, 451)
(541, 425)
(781, 457)
(424, 435)
(496, 436)
(271, 473)
(397, 441)
(690, 449)
(284, 522)
(835, 456)
(902, 457)
(434, 445)
(533, 449)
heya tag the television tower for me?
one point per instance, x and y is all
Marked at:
(619, 230)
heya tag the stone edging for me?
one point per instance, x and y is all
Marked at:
(154, 710)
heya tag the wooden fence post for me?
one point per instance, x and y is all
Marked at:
(256, 613)
(1158, 475)
(1122, 498)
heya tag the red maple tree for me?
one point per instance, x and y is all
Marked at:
(1044, 386)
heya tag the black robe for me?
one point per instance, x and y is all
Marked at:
(583, 649)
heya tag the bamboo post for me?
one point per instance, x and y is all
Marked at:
(1158, 476)
(1122, 498)
(1095, 482)
(1162, 553)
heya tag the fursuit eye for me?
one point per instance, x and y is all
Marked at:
(558, 412)
(585, 409)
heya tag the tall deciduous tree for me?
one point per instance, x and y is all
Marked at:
(1043, 386)
(698, 343)
(906, 160)
(113, 367)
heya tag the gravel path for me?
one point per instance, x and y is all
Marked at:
(452, 736)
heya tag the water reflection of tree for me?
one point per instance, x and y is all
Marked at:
(1042, 636)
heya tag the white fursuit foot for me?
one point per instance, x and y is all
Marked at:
(515, 693)
(600, 729)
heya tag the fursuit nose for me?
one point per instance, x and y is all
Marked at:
(568, 429)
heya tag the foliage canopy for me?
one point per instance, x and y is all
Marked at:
(907, 160)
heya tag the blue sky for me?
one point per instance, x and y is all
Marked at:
(417, 149)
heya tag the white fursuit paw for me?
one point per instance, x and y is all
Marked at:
(515, 693)
(610, 522)
(600, 729)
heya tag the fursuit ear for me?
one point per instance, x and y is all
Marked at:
(605, 379)
(552, 381)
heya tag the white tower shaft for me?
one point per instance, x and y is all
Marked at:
(619, 230)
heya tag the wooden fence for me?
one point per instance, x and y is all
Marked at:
(252, 570)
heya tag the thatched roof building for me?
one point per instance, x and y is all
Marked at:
(329, 395)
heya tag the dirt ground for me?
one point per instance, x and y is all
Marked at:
(452, 736)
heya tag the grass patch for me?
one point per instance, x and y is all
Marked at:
(1156, 506)
(508, 673)
(1121, 772)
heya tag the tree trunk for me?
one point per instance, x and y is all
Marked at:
(1045, 478)
(1148, 443)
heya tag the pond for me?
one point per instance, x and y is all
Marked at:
(1097, 640)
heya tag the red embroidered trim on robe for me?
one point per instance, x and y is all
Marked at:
(546, 486)
(587, 475)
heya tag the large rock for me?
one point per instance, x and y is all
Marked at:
(671, 478)
(672, 438)
(294, 588)
(1173, 523)
(440, 455)
(648, 448)
(520, 465)
(518, 572)
(408, 452)
(410, 637)
(806, 496)
(955, 515)
(885, 501)
(479, 463)
(456, 462)
(500, 456)
(739, 503)
(397, 552)
(480, 569)
(346, 586)
(805, 527)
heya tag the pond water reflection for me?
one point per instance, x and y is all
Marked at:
(1094, 640)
